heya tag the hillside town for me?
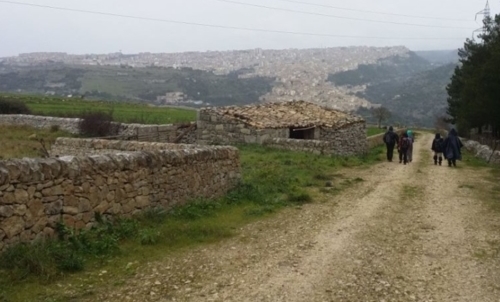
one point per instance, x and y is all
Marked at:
(299, 73)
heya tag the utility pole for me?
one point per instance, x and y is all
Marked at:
(486, 12)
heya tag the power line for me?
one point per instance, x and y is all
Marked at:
(373, 12)
(214, 25)
(337, 17)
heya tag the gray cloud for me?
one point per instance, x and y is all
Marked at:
(29, 29)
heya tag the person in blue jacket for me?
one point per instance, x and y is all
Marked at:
(451, 148)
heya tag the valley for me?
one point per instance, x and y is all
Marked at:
(355, 79)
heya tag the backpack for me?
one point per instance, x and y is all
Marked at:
(389, 138)
(437, 145)
(405, 143)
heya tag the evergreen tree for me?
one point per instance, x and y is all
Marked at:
(474, 90)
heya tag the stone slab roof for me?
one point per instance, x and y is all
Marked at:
(297, 114)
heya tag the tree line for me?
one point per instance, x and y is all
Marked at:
(474, 90)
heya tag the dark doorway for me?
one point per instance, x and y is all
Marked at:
(301, 133)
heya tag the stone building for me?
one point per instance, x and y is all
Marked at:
(296, 125)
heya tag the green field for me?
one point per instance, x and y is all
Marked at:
(123, 112)
(370, 131)
(21, 141)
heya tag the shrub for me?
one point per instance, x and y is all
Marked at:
(55, 128)
(97, 124)
(196, 209)
(149, 236)
(299, 196)
(8, 106)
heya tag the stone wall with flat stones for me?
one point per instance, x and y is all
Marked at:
(483, 152)
(35, 194)
(344, 142)
(82, 147)
(217, 129)
(141, 132)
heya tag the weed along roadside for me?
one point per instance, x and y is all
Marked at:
(77, 263)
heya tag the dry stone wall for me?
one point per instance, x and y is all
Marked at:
(83, 147)
(218, 129)
(482, 151)
(35, 194)
(141, 132)
(347, 141)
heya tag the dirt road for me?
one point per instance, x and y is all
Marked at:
(406, 233)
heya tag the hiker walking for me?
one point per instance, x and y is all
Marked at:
(451, 148)
(390, 139)
(410, 148)
(437, 148)
(403, 146)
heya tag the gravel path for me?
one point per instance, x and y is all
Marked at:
(407, 233)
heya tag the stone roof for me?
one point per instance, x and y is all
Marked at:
(297, 114)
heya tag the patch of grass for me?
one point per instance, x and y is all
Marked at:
(410, 192)
(488, 189)
(370, 131)
(492, 251)
(18, 142)
(471, 161)
(466, 186)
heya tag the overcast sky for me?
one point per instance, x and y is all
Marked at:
(31, 29)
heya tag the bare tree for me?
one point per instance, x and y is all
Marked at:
(381, 114)
(441, 123)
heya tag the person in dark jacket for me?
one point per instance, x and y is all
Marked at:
(404, 145)
(390, 139)
(437, 148)
(451, 148)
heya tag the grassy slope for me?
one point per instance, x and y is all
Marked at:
(273, 179)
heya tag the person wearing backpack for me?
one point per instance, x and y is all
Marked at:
(390, 139)
(403, 146)
(437, 148)
(451, 148)
(410, 148)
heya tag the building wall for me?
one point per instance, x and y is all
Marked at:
(217, 129)
(37, 193)
(348, 141)
(159, 133)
